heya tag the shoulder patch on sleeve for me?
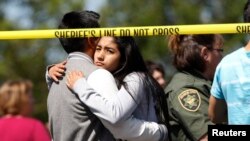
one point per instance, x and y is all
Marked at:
(190, 100)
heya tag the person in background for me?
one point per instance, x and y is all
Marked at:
(157, 72)
(187, 94)
(230, 93)
(16, 104)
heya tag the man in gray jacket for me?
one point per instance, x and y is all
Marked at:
(69, 119)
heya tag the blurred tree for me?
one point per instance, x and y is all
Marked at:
(138, 13)
(29, 58)
(172, 12)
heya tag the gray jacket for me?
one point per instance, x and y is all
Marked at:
(69, 118)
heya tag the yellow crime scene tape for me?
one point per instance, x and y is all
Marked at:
(128, 31)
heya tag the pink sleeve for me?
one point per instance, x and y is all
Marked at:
(41, 133)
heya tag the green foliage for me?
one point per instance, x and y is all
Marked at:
(29, 58)
(138, 13)
(173, 12)
(170, 12)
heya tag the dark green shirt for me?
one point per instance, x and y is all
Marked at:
(187, 96)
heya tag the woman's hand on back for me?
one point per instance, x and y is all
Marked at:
(72, 77)
(57, 71)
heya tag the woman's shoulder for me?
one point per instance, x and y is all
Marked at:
(28, 122)
(135, 76)
(100, 72)
(33, 121)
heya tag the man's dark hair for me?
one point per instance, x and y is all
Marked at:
(246, 13)
(75, 19)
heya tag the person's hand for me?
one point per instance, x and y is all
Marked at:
(57, 71)
(72, 77)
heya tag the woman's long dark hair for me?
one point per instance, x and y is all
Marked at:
(132, 61)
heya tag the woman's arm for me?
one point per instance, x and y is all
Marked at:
(111, 107)
(128, 128)
(54, 72)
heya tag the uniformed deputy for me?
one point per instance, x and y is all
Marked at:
(187, 95)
